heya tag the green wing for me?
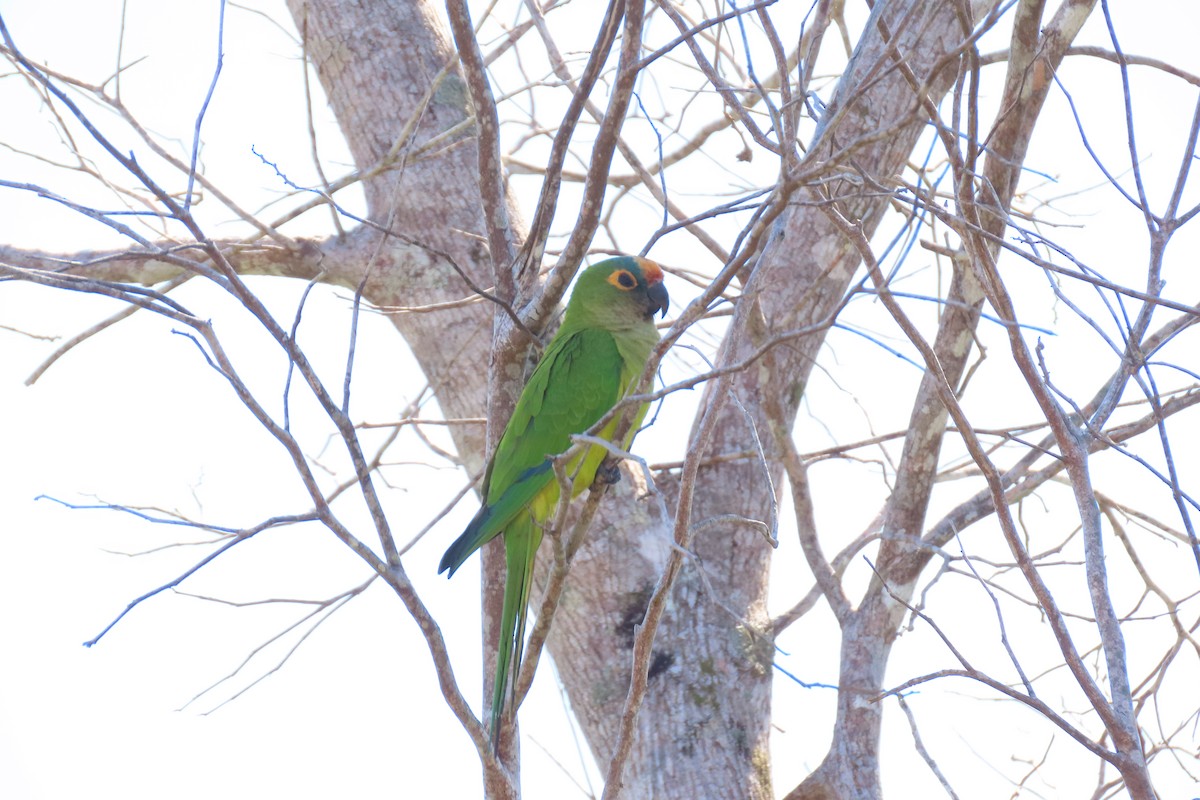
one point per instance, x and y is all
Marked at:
(577, 381)
(579, 378)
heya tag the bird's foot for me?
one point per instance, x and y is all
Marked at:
(608, 473)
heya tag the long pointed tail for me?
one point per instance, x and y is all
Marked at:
(521, 541)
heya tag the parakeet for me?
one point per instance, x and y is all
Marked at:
(600, 350)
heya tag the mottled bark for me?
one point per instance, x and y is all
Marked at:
(868, 633)
(705, 722)
(376, 62)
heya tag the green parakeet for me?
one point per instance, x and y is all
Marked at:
(601, 349)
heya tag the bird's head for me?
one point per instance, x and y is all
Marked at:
(619, 292)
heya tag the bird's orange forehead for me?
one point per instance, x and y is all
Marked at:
(652, 272)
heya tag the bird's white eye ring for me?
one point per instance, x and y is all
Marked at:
(623, 279)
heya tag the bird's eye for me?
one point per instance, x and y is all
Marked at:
(623, 279)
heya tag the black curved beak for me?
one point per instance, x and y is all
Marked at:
(659, 300)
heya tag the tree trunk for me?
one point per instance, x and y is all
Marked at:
(703, 729)
(376, 62)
